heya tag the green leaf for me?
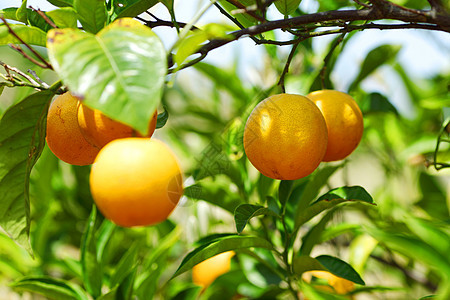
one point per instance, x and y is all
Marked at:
(22, 13)
(334, 197)
(22, 133)
(287, 7)
(352, 193)
(285, 190)
(376, 102)
(315, 183)
(413, 248)
(103, 236)
(30, 35)
(162, 119)
(50, 288)
(340, 268)
(91, 268)
(125, 266)
(215, 193)
(119, 71)
(244, 18)
(92, 14)
(245, 212)
(314, 235)
(189, 46)
(130, 8)
(429, 233)
(64, 17)
(218, 246)
(374, 59)
(61, 3)
(305, 263)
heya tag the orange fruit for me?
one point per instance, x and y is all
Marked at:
(207, 271)
(64, 137)
(285, 137)
(344, 122)
(136, 181)
(99, 129)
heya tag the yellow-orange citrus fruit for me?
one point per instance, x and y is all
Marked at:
(99, 129)
(208, 270)
(136, 181)
(285, 137)
(64, 137)
(339, 285)
(344, 122)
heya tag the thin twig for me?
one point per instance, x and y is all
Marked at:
(9, 68)
(328, 57)
(288, 63)
(38, 79)
(361, 3)
(44, 16)
(44, 63)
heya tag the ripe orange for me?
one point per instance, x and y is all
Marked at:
(64, 137)
(208, 270)
(99, 129)
(285, 137)
(344, 122)
(136, 181)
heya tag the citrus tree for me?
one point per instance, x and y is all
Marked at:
(133, 169)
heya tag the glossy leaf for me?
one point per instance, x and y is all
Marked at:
(50, 288)
(340, 268)
(219, 246)
(130, 8)
(30, 35)
(91, 13)
(287, 7)
(245, 212)
(91, 269)
(162, 119)
(119, 71)
(374, 59)
(334, 197)
(285, 190)
(376, 102)
(64, 17)
(22, 133)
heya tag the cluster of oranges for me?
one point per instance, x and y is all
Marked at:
(287, 136)
(134, 180)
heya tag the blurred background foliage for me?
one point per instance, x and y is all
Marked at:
(400, 246)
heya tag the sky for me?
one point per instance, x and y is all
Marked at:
(423, 54)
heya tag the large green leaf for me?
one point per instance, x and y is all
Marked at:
(51, 288)
(130, 8)
(217, 246)
(245, 212)
(119, 71)
(348, 194)
(374, 59)
(92, 14)
(29, 34)
(287, 7)
(22, 132)
(340, 268)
